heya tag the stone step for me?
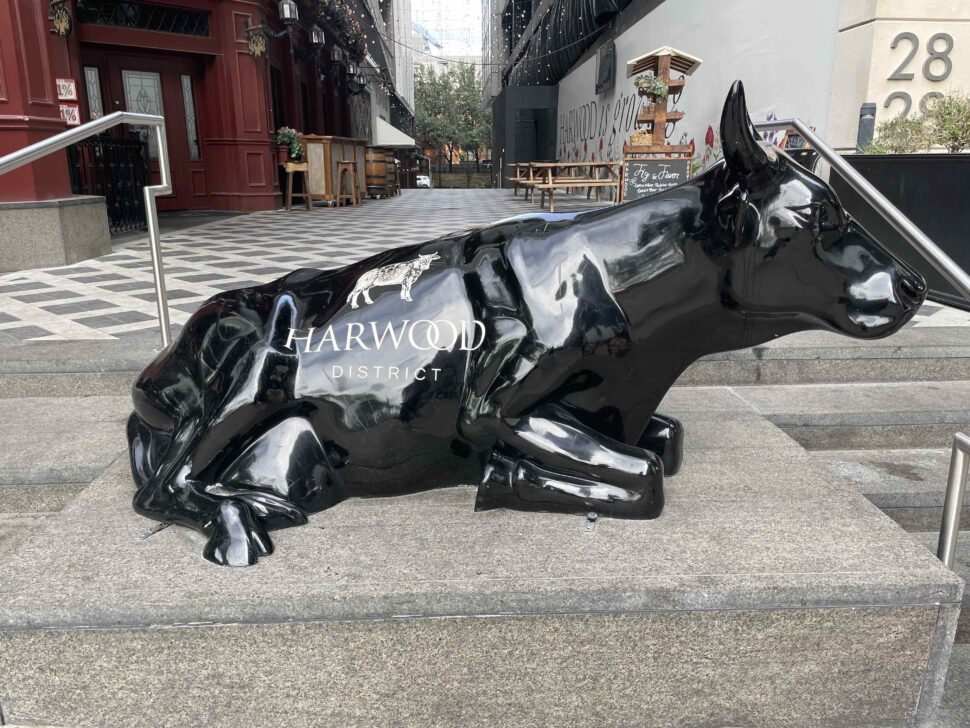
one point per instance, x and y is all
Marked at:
(889, 415)
(914, 354)
(961, 565)
(907, 485)
(768, 593)
(60, 439)
(955, 709)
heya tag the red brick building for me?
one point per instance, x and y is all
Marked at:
(198, 63)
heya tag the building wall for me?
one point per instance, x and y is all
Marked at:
(783, 52)
(494, 52)
(866, 59)
(818, 61)
(403, 53)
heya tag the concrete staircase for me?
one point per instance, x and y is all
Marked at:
(772, 592)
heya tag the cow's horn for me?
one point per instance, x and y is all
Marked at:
(739, 139)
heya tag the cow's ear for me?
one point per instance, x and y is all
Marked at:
(739, 139)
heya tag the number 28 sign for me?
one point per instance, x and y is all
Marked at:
(931, 59)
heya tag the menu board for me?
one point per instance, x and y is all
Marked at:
(645, 177)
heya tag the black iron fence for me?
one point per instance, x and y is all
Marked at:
(116, 169)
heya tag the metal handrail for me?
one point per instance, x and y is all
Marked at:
(934, 255)
(957, 480)
(65, 139)
(956, 485)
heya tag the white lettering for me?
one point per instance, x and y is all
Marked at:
(351, 336)
(389, 329)
(291, 338)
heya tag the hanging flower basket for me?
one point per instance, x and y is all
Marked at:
(339, 16)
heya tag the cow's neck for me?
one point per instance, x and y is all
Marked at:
(667, 283)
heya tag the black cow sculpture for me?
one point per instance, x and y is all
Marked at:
(528, 356)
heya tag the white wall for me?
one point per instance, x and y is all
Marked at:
(865, 58)
(783, 50)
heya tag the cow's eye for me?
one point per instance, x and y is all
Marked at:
(828, 217)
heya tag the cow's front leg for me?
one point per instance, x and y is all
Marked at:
(664, 436)
(548, 461)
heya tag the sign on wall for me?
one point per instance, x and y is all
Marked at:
(66, 89)
(645, 177)
(71, 114)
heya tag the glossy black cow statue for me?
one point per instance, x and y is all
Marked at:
(528, 356)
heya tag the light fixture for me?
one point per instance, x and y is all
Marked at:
(317, 38)
(289, 13)
(336, 55)
(352, 69)
(63, 24)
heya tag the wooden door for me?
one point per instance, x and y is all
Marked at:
(166, 85)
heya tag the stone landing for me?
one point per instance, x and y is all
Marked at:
(768, 594)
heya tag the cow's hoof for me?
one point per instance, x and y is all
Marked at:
(239, 539)
(272, 511)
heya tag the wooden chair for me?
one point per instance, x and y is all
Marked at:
(347, 172)
(292, 168)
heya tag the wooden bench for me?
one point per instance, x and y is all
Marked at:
(568, 183)
(522, 178)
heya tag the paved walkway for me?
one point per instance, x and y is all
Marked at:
(113, 296)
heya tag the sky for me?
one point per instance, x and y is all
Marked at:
(457, 24)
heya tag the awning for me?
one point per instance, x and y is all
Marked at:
(386, 135)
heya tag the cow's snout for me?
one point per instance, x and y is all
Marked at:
(911, 289)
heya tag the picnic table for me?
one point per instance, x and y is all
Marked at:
(550, 176)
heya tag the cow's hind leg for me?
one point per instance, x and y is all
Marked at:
(664, 436)
(551, 462)
(233, 504)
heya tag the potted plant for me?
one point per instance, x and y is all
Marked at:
(651, 85)
(289, 145)
(948, 119)
(901, 135)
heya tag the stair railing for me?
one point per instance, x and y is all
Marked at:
(60, 141)
(957, 480)
(956, 485)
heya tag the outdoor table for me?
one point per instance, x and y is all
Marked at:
(519, 178)
(546, 177)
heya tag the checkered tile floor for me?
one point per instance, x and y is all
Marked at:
(113, 296)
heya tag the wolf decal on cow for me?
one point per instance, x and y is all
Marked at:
(528, 356)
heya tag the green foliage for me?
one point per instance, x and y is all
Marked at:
(948, 121)
(448, 111)
(652, 85)
(290, 138)
(900, 135)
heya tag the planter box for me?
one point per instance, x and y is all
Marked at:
(930, 189)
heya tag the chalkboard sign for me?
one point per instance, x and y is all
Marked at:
(643, 177)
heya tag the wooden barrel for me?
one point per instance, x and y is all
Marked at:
(391, 172)
(375, 171)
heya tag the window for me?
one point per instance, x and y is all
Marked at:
(145, 16)
(191, 125)
(143, 95)
(92, 82)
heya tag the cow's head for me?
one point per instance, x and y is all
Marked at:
(425, 260)
(797, 258)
